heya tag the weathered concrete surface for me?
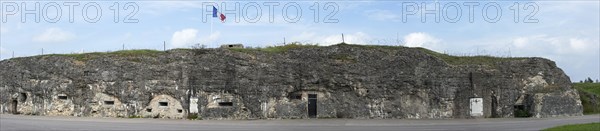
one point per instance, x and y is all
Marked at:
(349, 82)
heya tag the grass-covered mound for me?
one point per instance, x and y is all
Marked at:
(590, 95)
(576, 127)
(122, 53)
(450, 59)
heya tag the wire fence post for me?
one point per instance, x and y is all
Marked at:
(343, 40)
(164, 45)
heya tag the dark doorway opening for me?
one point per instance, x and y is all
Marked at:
(494, 107)
(521, 111)
(312, 105)
(14, 107)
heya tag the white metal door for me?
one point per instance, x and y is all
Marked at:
(476, 106)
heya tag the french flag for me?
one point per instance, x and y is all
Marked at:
(221, 16)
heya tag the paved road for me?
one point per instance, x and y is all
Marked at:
(19, 122)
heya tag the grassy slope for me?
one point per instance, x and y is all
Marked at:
(123, 53)
(576, 127)
(592, 88)
(589, 87)
(468, 60)
(453, 60)
(274, 49)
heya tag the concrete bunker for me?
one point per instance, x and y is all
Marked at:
(164, 106)
(61, 105)
(220, 100)
(232, 46)
(222, 105)
(308, 102)
(104, 105)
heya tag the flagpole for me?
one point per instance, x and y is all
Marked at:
(211, 26)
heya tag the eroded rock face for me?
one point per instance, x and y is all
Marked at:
(341, 81)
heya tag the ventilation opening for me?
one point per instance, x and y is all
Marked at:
(179, 111)
(148, 110)
(225, 103)
(163, 103)
(296, 96)
(22, 97)
(62, 97)
(109, 102)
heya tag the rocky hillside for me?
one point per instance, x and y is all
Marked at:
(292, 81)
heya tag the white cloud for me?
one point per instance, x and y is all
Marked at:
(579, 44)
(184, 37)
(544, 44)
(304, 36)
(382, 15)
(327, 40)
(213, 37)
(420, 39)
(571, 53)
(188, 37)
(356, 38)
(53, 35)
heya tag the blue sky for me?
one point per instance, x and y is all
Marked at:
(564, 31)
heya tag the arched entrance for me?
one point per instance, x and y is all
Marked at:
(14, 105)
